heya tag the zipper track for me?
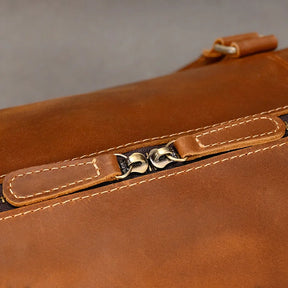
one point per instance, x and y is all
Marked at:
(5, 206)
(285, 119)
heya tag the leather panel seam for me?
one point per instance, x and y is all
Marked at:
(93, 162)
(241, 138)
(80, 198)
(164, 136)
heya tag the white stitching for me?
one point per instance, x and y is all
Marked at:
(175, 134)
(90, 178)
(97, 169)
(165, 136)
(238, 139)
(93, 162)
(144, 181)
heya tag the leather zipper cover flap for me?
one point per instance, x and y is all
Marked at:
(215, 222)
(236, 134)
(40, 183)
(220, 222)
(34, 184)
(132, 115)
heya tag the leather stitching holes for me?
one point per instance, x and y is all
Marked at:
(79, 198)
(97, 169)
(174, 134)
(241, 138)
(165, 136)
(93, 162)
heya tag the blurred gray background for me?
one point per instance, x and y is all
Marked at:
(59, 47)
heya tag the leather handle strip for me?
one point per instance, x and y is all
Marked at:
(255, 45)
(245, 44)
(34, 184)
(237, 134)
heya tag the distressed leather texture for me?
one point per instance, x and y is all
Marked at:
(30, 185)
(245, 44)
(38, 183)
(217, 222)
(240, 133)
(135, 114)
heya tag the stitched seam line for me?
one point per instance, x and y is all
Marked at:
(93, 162)
(175, 134)
(90, 178)
(143, 181)
(241, 138)
(165, 136)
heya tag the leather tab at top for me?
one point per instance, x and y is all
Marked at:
(244, 44)
(229, 136)
(34, 184)
(227, 41)
(235, 38)
(255, 45)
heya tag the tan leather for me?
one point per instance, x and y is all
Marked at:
(34, 184)
(38, 183)
(228, 41)
(245, 44)
(236, 134)
(250, 46)
(219, 222)
(133, 115)
(210, 56)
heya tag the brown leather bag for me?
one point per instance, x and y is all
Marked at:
(178, 181)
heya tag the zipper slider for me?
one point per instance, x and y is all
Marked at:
(220, 138)
(135, 163)
(35, 184)
(163, 156)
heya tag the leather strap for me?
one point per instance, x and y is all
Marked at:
(254, 45)
(245, 44)
(34, 184)
(30, 185)
(236, 134)
(228, 41)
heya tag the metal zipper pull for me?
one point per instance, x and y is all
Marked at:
(236, 134)
(135, 163)
(35, 184)
(161, 157)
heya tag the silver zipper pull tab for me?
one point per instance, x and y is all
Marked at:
(135, 163)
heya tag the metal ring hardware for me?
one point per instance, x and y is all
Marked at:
(158, 157)
(223, 49)
(136, 162)
(163, 156)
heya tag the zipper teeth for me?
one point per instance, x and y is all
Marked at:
(284, 118)
(5, 206)
(158, 158)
